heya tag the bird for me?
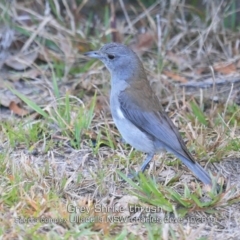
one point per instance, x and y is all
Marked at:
(137, 111)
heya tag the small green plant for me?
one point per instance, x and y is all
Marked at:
(30, 103)
(198, 113)
(22, 133)
(73, 119)
(148, 191)
(230, 19)
(107, 140)
(66, 113)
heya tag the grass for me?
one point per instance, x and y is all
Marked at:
(63, 167)
(169, 200)
(70, 120)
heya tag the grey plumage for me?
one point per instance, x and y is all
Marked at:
(137, 112)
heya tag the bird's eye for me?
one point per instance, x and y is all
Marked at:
(110, 56)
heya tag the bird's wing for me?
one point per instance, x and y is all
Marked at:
(151, 119)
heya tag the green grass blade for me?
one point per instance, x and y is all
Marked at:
(198, 113)
(30, 103)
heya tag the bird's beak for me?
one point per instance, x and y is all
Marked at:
(94, 54)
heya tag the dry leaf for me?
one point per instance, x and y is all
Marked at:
(221, 180)
(11, 177)
(180, 60)
(201, 70)
(17, 110)
(101, 105)
(103, 225)
(124, 202)
(225, 68)
(221, 67)
(144, 41)
(22, 60)
(16, 76)
(207, 188)
(175, 76)
(33, 204)
(6, 97)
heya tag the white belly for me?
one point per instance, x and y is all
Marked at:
(132, 134)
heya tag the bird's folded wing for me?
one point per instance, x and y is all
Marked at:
(150, 119)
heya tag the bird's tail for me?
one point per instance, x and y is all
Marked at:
(196, 168)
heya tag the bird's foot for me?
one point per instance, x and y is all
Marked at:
(132, 175)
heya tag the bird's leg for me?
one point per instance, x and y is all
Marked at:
(122, 140)
(149, 157)
(147, 161)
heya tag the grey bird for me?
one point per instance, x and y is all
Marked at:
(138, 113)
